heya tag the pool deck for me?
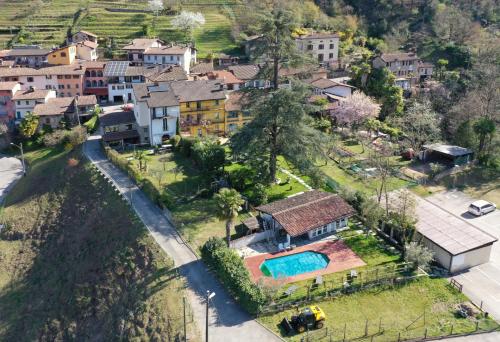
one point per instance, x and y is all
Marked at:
(341, 258)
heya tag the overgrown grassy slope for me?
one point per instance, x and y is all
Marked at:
(76, 264)
(49, 21)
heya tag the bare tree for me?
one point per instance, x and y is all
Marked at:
(379, 158)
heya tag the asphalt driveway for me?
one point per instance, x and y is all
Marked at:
(481, 283)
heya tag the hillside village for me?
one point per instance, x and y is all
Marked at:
(312, 180)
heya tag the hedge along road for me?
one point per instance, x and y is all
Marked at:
(227, 321)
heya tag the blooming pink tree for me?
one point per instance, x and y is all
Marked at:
(355, 110)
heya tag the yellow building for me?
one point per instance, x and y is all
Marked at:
(62, 56)
(202, 107)
(237, 113)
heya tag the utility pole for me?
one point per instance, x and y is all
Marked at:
(20, 147)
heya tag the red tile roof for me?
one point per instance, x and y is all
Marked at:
(302, 213)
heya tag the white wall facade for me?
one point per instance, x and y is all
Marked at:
(470, 259)
(184, 60)
(24, 106)
(158, 115)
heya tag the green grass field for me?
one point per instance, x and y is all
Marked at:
(76, 262)
(49, 21)
(394, 309)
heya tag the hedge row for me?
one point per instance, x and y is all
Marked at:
(231, 272)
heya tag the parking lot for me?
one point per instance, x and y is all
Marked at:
(481, 283)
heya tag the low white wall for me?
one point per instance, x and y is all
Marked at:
(250, 239)
(470, 259)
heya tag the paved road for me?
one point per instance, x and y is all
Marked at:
(228, 322)
(481, 283)
(11, 171)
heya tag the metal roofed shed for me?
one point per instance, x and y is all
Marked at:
(457, 245)
(448, 153)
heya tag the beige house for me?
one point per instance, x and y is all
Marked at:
(324, 47)
(404, 65)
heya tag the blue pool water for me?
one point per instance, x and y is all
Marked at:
(294, 264)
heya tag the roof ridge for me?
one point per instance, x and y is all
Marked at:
(305, 204)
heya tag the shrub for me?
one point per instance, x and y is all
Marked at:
(186, 145)
(77, 135)
(231, 271)
(239, 177)
(418, 255)
(92, 124)
(175, 141)
(208, 155)
(55, 138)
(259, 194)
(167, 200)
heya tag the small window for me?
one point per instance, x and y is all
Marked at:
(18, 103)
(69, 86)
(332, 46)
(47, 121)
(187, 104)
(330, 56)
(67, 76)
(216, 102)
(27, 103)
(63, 54)
(310, 47)
(321, 46)
(165, 124)
(30, 79)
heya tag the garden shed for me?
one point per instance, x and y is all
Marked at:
(457, 245)
(447, 154)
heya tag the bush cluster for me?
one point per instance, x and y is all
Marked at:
(69, 138)
(231, 271)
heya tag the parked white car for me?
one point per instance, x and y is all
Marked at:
(481, 207)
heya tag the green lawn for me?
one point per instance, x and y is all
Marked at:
(195, 217)
(395, 308)
(74, 259)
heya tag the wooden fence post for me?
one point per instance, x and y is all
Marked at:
(366, 328)
(451, 330)
(380, 325)
(345, 327)
(425, 333)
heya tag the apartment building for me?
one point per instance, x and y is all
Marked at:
(202, 106)
(26, 100)
(135, 49)
(32, 56)
(184, 56)
(70, 109)
(156, 111)
(62, 56)
(94, 81)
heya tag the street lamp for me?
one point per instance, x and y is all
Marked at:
(20, 147)
(209, 296)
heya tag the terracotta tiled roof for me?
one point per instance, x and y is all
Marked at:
(55, 106)
(31, 94)
(93, 64)
(245, 72)
(87, 100)
(88, 43)
(198, 90)
(117, 118)
(73, 69)
(114, 136)
(225, 76)
(302, 213)
(8, 85)
(167, 50)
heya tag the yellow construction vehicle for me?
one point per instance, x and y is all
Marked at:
(309, 318)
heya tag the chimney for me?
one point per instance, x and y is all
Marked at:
(32, 89)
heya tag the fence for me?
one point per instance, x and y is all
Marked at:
(370, 331)
(390, 275)
(247, 240)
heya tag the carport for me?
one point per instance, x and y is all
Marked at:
(457, 245)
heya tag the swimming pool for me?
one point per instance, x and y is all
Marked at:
(294, 264)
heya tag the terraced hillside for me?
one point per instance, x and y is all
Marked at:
(47, 22)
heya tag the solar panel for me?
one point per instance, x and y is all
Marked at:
(116, 68)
